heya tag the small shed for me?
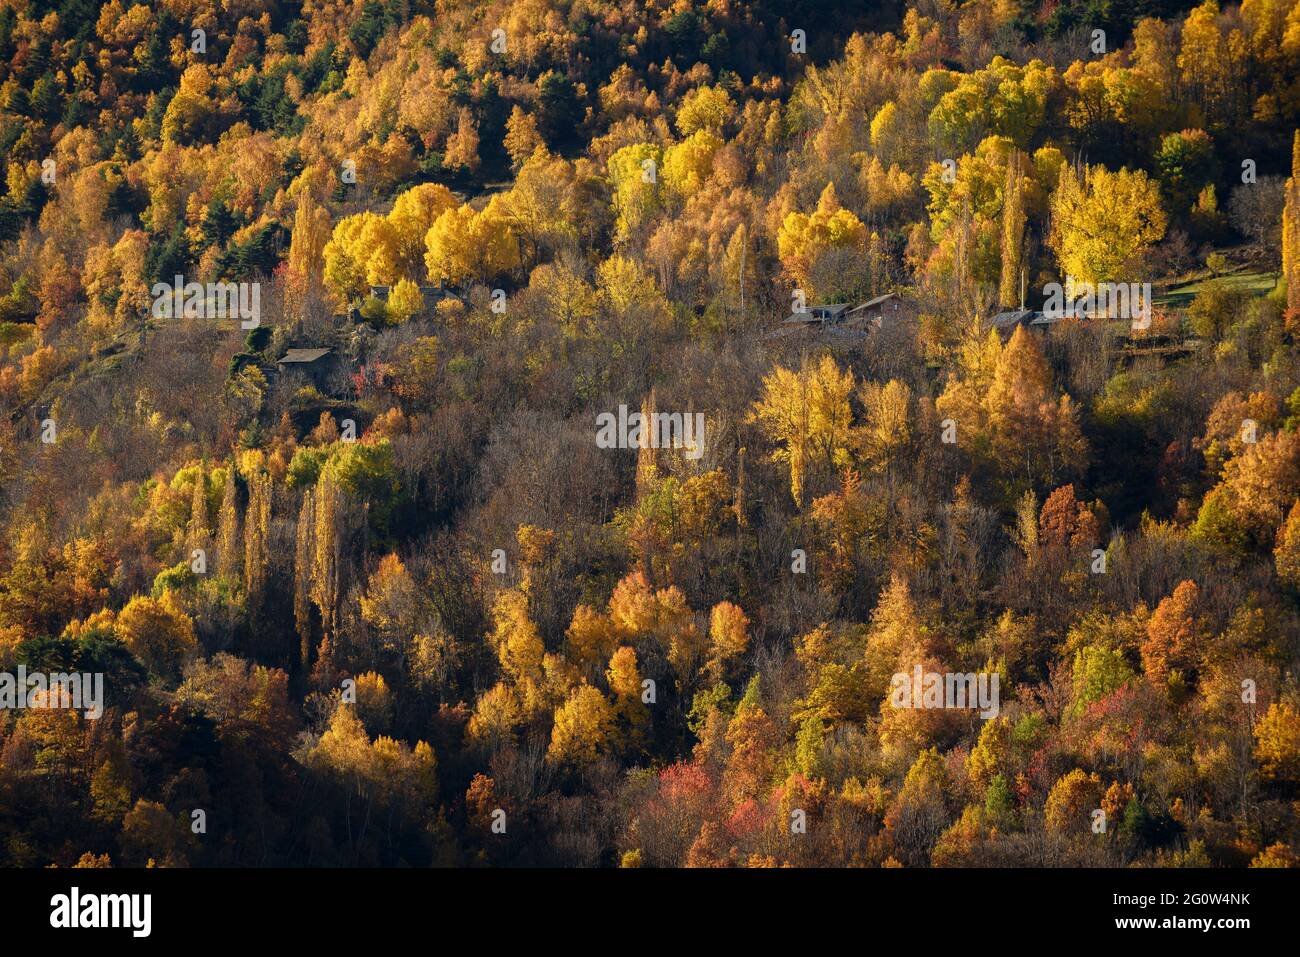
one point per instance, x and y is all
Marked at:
(315, 365)
(302, 357)
(877, 312)
(818, 315)
(1005, 322)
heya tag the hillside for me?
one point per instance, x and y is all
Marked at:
(325, 329)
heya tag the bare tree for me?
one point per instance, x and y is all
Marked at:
(1255, 211)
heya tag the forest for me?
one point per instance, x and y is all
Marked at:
(583, 433)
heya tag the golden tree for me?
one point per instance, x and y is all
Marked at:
(1013, 233)
(583, 729)
(257, 531)
(1286, 556)
(803, 238)
(808, 413)
(1071, 802)
(1028, 425)
(157, 631)
(1291, 229)
(461, 150)
(624, 680)
(304, 555)
(1277, 742)
(311, 231)
(1103, 222)
(728, 637)
(522, 139)
(228, 551)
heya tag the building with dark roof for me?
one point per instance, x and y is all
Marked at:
(818, 315)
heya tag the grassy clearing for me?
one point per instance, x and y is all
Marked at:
(1255, 283)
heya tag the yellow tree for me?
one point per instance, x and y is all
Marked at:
(519, 646)
(802, 238)
(565, 298)
(887, 187)
(1260, 485)
(464, 245)
(1071, 802)
(1028, 424)
(887, 134)
(404, 302)
(1277, 742)
(583, 728)
(257, 532)
(414, 211)
(196, 530)
(522, 138)
(497, 713)
(689, 164)
(624, 680)
(807, 412)
(705, 108)
(1212, 64)
(392, 602)
(964, 394)
(228, 552)
(304, 552)
(992, 753)
(633, 173)
(461, 151)
(157, 631)
(728, 637)
(591, 637)
(327, 565)
(450, 256)
(363, 251)
(495, 239)
(1103, 222)
(887, 430)
(920, 813)
(374, 704)
(1286, 556)
(897, 638)
(549, 206)
(1013, 233)
(1155, 53)
(311, 231)
(1291, 229)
